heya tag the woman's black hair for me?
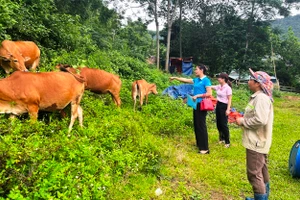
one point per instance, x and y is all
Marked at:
(226, 78)
(203, 68)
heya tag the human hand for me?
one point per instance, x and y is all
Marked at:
(239, 121)
(194, 97)
(172, 78)
(227, 112)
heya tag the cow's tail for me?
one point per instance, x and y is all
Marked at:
(138, 88)
(63, 67)
(135, 92)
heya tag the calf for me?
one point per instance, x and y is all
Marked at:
(28, 92)
(19, 55)
(98, 81)
(142, 89)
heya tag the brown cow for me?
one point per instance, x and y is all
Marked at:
(142, 89)
(28, 92)
(98, 81)
(19, 55)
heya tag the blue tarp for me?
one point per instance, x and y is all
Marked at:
(176, 91)
(187, 68)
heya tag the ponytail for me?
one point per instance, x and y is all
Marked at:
(226, 78)
(229, 83)
(203, 67)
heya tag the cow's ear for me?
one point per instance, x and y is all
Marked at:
(4, 59)
(26, 59)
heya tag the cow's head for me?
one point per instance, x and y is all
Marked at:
(153, 89)
(17, 63)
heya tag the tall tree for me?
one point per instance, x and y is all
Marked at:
(152, 7)
(183, 5)
(254, 11)
(153, 11)
(171, 14)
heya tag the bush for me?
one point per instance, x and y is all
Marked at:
(41, 161)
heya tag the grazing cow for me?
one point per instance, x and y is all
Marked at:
(28, 92)
(19, 55)
(98, 81)
(142, 89)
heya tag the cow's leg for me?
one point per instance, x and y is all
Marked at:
(134, 95)
(80, 115)
(134, 102)
(35, 64)
(33, 111)
(74, 114)
(146, 99)
(141, 100)
(62, 113)
(76, 111)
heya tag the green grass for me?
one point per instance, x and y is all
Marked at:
(185, 174)
(222, 174)
(122, 154)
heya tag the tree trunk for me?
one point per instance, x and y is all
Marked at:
(249, 29)
(180, 31)
(157, 35)
(274, 65)
(169, 21)
(168, 48)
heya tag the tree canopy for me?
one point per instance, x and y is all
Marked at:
(223, 35)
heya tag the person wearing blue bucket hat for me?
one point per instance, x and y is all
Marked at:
(257, 124)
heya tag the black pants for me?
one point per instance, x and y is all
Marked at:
(200, 128)
(222, 122)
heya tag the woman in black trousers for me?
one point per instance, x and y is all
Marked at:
(202, 88)
(224, 94)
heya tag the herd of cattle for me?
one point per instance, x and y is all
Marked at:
(28, 92)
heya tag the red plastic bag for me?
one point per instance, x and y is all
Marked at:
(206, 104)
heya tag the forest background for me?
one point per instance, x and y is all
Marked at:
(225, 35)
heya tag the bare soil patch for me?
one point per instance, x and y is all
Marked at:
(294, 98)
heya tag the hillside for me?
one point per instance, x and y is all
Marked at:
(284, 23)
(122, 154)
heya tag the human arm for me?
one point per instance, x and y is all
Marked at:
(258, 113)
(207, 94)
(214, 87)
(228, 105)
(184, 80)
(239, 121)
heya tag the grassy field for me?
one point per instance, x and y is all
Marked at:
(122, 154)
(221, 175)
(185, 174)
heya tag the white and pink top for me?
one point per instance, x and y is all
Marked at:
(222, 92)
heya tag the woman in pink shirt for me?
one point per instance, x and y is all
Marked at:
(224, 95)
